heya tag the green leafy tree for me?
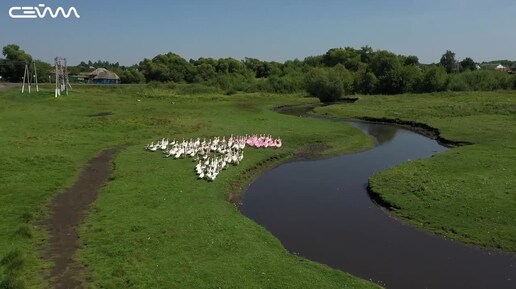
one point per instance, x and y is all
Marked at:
(365, 82)
(324, 85)
(205, 72)
(468, 64)
(349, 57)
(366, 54)
(204, 60)
(284, 84)
(13, 52)
(132, 76)
(256, 66)
(411, 77)
(14, 64)
(230, 65)
(345, 76)
(314, 61)
(448, 62)
(44, 70)
(4, 66)
(412, 60)
(293, 67)
(434, 79)
(329, 84)
(167, 67)
(386, 67)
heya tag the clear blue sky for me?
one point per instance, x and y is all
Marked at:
(128, 31)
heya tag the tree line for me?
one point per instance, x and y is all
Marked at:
(338, 72)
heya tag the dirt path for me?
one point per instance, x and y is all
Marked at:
(5, 85)
(67, 212)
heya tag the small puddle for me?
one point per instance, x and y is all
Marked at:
(321, 210)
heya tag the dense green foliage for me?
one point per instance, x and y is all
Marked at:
(448, 62)
(154, 225)
(12, 68)
(372, 72)
(329, 84)
(467, 193)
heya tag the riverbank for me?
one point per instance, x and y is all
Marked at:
(467, 193)
(321, 210)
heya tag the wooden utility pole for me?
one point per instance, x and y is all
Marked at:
(36, 76)
(29, 77)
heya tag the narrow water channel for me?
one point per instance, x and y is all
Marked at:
(321, 210)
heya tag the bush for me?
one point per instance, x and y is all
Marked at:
(411, 77)
(323, 84)
(457, 82)
(365, 82)
(434, 78)
(231, 92)
(132, 76)
(284, 84)
(484, 80)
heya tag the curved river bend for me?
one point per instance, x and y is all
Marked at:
(321, 210)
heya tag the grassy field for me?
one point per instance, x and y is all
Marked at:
(467, 193)
(154, 225)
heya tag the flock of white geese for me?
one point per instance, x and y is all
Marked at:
(213, 155)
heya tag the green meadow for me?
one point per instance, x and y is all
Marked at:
(467, 193)
(154, 225)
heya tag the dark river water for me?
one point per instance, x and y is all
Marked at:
(321, 210)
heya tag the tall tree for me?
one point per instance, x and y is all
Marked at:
(468, 64)
(365, 82)
(349, 57)
(448, 62)
(314, 61)
(14, 64)
(434, 79)
(411, 60)
(321, 83)
(167, 67)
(387, 68)
(366, 53)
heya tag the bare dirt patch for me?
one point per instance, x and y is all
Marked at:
(5, 85)
(100, 114)
(68, 210)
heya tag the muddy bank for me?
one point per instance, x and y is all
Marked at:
(4, 85)
(420, 128)
(417, 127)
(237, 188)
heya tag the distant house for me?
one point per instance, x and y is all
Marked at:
(513, 68)
(502, 68)
(82, 77)
(103, 76)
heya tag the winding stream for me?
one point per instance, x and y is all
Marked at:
(321, 210)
